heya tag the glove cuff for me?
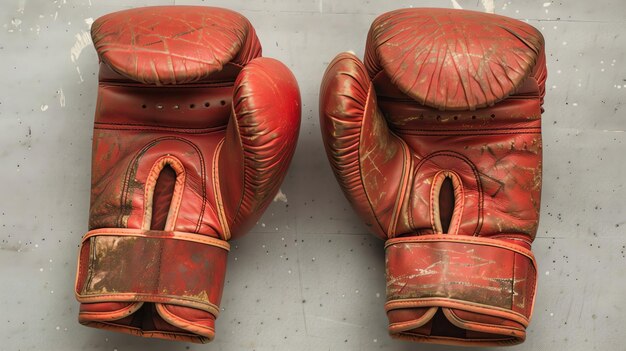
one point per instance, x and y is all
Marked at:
(133, 265)
(458, 289)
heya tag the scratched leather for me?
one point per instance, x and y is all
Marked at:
(193, 135)
(445, 94)
(174, 45)
(451, 63)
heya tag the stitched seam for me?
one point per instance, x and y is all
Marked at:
(193, 237)
(157, 129)
(411, 303)
(462, 239)
(358, 160)
(471, 129)
(490, 326)
(434, 133)
(208, 129)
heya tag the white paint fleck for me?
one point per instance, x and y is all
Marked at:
(16, 22)
(79, 74)
(89, 21)
(564, 43)
(575, 104)
(547, 272)
(280, 196)
(551, 314)
(263, 225)
(41, 269)
(377, 295)
(547, 4)
(489, 6)
(44, 107)
(61, 97)
(83, 39)
(58, 328)
(456, 5)
(20, 6)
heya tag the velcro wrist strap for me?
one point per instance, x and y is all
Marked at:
(133, 265)
(475, 274)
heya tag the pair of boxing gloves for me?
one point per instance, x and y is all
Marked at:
(435, 140)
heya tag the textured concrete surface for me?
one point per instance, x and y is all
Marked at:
(309, 276)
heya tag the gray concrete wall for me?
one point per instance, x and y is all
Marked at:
(309, 276)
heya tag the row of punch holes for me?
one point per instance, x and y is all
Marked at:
(178, 107)
(455, 117)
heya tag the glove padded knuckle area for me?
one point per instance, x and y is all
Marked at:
(173, 44)
(453, 60)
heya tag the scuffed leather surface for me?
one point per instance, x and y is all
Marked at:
(450, 59)
(202, 156)
(262, 135)
(174, 44)
(392, 147)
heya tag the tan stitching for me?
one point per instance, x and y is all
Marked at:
(464, 305)
(462, 239)
(199, 238)
(217, 190)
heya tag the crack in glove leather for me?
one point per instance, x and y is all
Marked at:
(193, 134)
(436, 142)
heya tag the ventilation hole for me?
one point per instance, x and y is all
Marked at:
(456, 117)
(192, 105)
(144, 106)
(207, 104)
(446, 204)
(159, 107)
(438, 118)
(493, 116)
(473, 117)
(222, 102)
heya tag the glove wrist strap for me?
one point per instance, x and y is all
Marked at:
(134, 265)
(474, 274)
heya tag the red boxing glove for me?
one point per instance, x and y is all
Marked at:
(193, 135)
(436, 142)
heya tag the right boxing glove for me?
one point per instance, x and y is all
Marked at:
(436, 142)
(193, 135)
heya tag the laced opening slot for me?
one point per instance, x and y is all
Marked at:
(163, 194)
(162, 197)
(446, 204)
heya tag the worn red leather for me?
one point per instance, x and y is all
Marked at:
(436, 142)
(193, 134)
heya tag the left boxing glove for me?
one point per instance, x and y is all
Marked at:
(193, 135)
